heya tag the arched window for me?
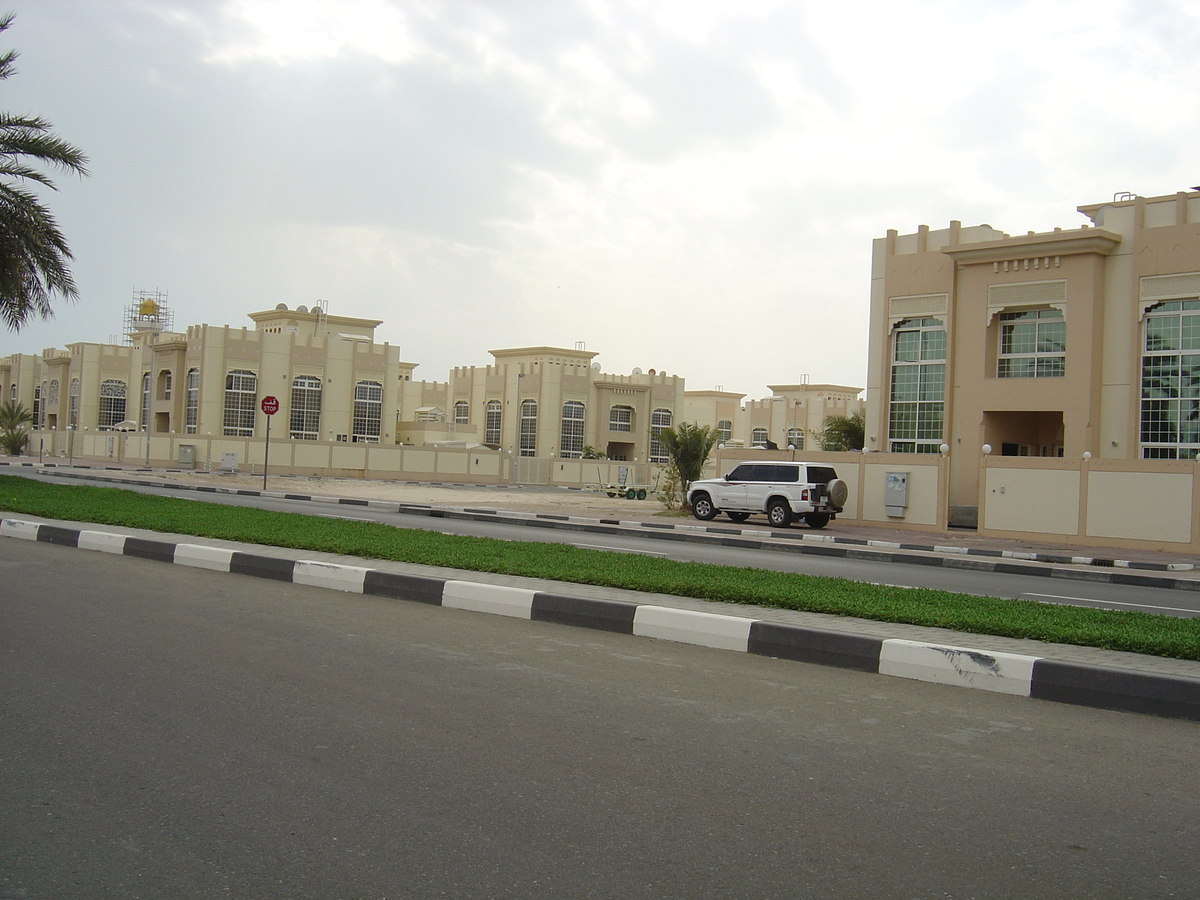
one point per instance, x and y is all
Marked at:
(37, 407)
(659, 419)
(368, 411)
(724, 430)
(12, 391)
(571, 442)
(620, 418)
(758, 438)
(165, 381)
(491, 424)
(40, 417)
(529, 427)
(112, 404)
(796, 438)
(191, 409)
(241, 397)
(305, 424)
(462, 413)
(73, 408)
(52, 397)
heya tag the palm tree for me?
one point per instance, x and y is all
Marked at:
(688, 446)
(843, 432)
(33, 252)
(13, 419)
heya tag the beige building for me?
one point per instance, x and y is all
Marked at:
(793, 417)
(335, 386)
(1080, 343)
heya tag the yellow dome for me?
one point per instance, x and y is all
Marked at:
(148, 308)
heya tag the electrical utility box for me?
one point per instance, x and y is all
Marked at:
(895, 494)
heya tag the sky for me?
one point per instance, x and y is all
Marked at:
(689, 186)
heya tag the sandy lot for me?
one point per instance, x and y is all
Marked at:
(531, 499)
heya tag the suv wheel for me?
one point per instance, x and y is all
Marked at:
(816, 520)
(779, 514)
(702, 507)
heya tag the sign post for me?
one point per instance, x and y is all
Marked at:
(270, 406)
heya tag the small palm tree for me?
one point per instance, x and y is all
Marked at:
(843, 432)
(687, 447)
(33, 252)
(13, 435)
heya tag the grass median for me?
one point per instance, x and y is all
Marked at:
(1133, 631)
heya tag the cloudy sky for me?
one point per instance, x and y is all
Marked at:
(688, 186)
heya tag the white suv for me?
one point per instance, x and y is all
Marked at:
(782, 490)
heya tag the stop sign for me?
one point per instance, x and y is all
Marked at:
(270, 405)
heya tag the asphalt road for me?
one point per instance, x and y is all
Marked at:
(167, 732)
(961, 578)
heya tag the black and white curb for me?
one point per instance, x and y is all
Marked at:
(979, 559)
(1028, 676)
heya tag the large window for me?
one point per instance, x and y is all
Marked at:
(40, 418)
(52, 397)
(620, 418)
(758, 438)
(368, 411)
(191, 408)
(795, 438)
(571, 444)
(1033, 344)
(724, 430)
(73, 409)
(305, 419)
(659, 419)
(112, 404)
(462, 413)
(529, 427)
(491, 423)
(918, 387)
(1171, 381)
(241, 396)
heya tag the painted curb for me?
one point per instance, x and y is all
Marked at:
(1038, 677)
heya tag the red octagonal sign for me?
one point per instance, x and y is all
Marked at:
(270, 405)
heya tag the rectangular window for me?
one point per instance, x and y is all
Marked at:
(620, 418)
(305, 419)
(368, 411)
(112, 405)
(1033, 344)
(491, 423)
(918, 386)
(1170, 394)
(241, 397)
(659, 419)
(529, 428)
(191, 408)
(571, 439)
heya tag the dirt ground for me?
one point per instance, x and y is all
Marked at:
(556, 501)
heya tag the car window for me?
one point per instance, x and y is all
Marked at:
(785, 474)
(741, 473)
(821, 474)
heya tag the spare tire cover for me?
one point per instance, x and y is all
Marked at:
(838, 491)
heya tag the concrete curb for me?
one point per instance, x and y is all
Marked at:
(1028, 676)
(1004, 562)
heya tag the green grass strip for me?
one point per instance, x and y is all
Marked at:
(1137, 632)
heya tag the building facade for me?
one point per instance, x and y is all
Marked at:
(1079, 343)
